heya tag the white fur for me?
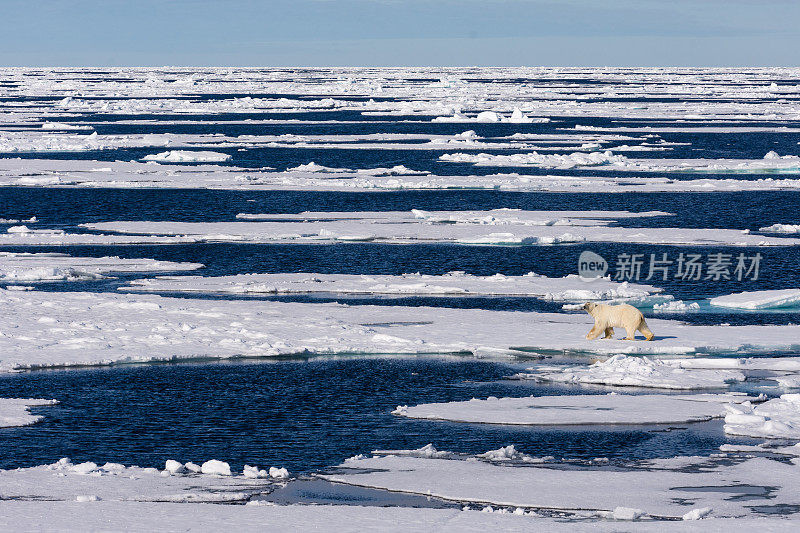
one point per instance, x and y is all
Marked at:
(607, 317)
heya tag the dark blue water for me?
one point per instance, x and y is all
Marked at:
(304, 415)
(64, 206)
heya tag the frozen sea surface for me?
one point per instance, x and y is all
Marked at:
(89, 147)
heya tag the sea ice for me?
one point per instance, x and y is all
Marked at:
(667, 488)
(607, 159)
(216, 467)
(778, 418)
(509, 453)
(568, 288)
(68, 328)
(781, 228)
(757, 300)
(469, 227)
(183, 156)
(30, 267)
(622, 370)
(675, 306)
(16, 411)
(174, 467)
(122, 174)
(256, 517)
(64, 480)
(585, 409)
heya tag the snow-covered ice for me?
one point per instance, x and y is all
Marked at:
(67, 481)
(25, 236)
(771, 162)
(30, 267)
(123, 174)
(587, 409)
(497, 227)
(629, 371)
(675, 306)
(568, 288)
(46, 111)
(58, 329)
(781, 228)
(185, 156)
(757, 300)
(16, 411)
(778, 418)
(661, 488)
(59, 516)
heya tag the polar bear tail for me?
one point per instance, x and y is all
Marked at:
(645, 330)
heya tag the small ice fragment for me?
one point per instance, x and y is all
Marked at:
(174, 467)
(278, 473)
(401, 410)
(626, 513)
(219, 468)
(18, 229)
(192, 467)
(113, 467)
(84, 468)
(697, 514)
(253, 472)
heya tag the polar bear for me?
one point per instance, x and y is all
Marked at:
(607, 317)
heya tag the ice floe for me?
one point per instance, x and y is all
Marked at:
(777, 364)
(781, 228)
(67, 481)
(778, 418)
(122, 174)
(25, 236)
(63, 329)
(588, 409)
(517, 116)
(16, 411)
(607, 159)
(758, 300)
(496, 227)
(184, 156)
(256, 516)
(667, 488)
(675, 306)
(65, 126)
(568, 288)
(534, 159)
(622, 370)
(30, 267)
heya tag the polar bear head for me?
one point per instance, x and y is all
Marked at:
(589, 307)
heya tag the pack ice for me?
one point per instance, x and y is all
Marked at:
(577, 410)
(30, 267)
(568, 288)
(497, 227)
(63, 329)
(680, 487)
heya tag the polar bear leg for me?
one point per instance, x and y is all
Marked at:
(645, 330)
(631, 331)
(609, 333)
(594, 333)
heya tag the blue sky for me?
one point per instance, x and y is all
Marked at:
(400, 32)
